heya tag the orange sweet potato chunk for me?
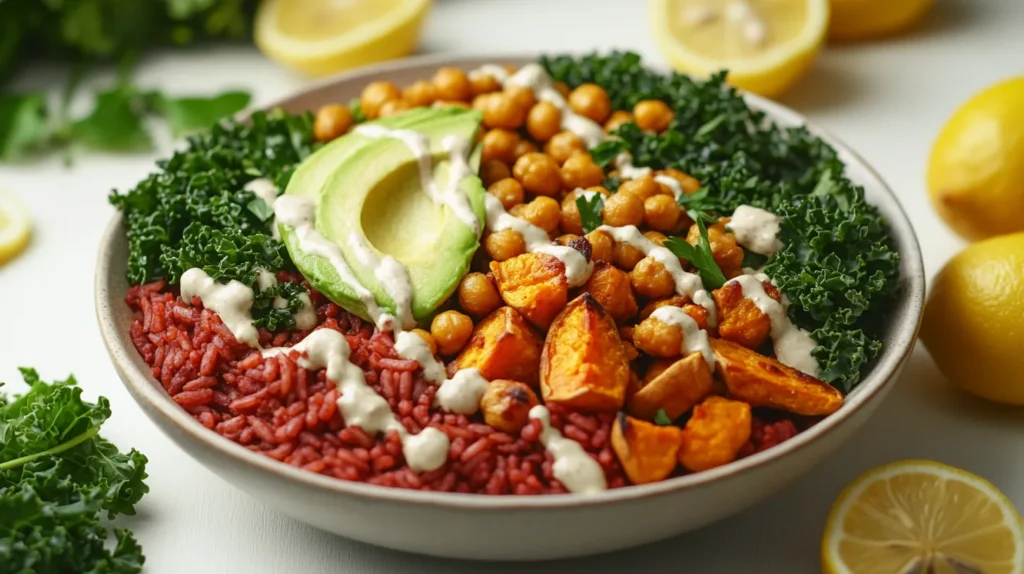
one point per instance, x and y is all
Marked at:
(503, 346)
(533, 284)
(646, 451)
(675, 390)
(610, 286)
(715, 433)
(583, 364)
(739, 319)
(764, 382)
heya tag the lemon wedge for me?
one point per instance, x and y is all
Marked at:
(320, 37)
(766, 45)
(15, 226)
(918, 516)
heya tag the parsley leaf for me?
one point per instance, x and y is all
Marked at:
(23, 124)
(661, 418)
(590, 211)
(606, 151)
(190, 114)
(699, 256)
(115, 122)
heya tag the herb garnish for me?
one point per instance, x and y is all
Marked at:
(661, 418)
(590, 211)
(699, 256)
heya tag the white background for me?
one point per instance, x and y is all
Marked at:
(888, 100)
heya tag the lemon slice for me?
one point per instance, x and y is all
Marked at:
(766, 45)
(15, 226)
(320, 37)
(919, 516)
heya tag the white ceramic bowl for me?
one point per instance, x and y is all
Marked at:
(514, 527)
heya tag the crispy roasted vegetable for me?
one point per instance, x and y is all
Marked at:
(503, 346)
(646, 451)
(674, 301)
(506, 405)
(610, 286)
(675, 390)
(583, 364)
(764, 382)
(739, 318)
(533, 284)
(714, 434)
(660, 339)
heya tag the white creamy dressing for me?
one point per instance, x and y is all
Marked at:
(756, 229)
(695, 339)
(231, 300)
(793, 346)
(305, 317)
(392, 275)
(672, 183)
(265, 189)
(587, 194)
(493, 70)
(624, 163)
(460, 394)
(576, 469)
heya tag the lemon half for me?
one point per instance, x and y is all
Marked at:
(766, 45)
(15, 226)
(320, 37)
(922, 516)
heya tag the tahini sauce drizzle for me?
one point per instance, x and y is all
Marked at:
(695, 339)
(231, 300)
(756, 229)
(793, 346)
(460, 394)
(576, 469)
(305, 317)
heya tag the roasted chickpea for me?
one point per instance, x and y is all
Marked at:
(524, 147)
(623, 209)
(571, 214)
(492, 171)
(642, 187)
(566, 238)
(563, 88)
(428, 339)
(393, 108)
(508, 191)
(627, 256)
(653, 115)
(505, 244)
(501, 111)
(452, 84)
(581, 171)
(661, 212)
(420, 94)
(477, 295)
(500, 145)
(538, 173)
(658, 339)
(518, 210)
(523, 96)
(617, 119)
(689, 183)
(727, 253)
(375, 94)
(630, 351)
(591, 101)
(650, 279)
(332, 121)
(544, 212)
(484, 84)
(506, 405)
(562, 144)
(602, 246)
(482, 101)
(656, 237)
(451, 330)
(543, 121)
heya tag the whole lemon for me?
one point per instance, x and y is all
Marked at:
(976, 168)
(974, 319)
(854, 20)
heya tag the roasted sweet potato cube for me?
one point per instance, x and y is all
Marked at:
(674, 301)
(646, 451)
(675, 390)
(610, 286)
(584, 365)
(533, 284)
(739, 318)
(503, 346)
(764, 382)
(715, 433)
(506, 405)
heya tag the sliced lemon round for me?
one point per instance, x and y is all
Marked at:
(15, 226)
(922, 516)
(767, 45)
(320, 37)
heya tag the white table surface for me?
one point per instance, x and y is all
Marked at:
(888, 100)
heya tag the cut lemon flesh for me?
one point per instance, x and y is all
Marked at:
(320, 37)
(922, 517)
(765, 44)
(15, 226)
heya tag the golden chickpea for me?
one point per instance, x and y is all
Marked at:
(591, 101)
(492, 171)
(571, 214)
(602, 246)
(727, 253)
(477, 295)
(393, 108)
(658, 339)
(500, 145)
(543, 121)
(451, 330)
(564, 239)
(420, 94)
(562, 144)
(623, 209)
(524, 147)
(506, 405)
(661, 212)
(508, 191)
(581, 171)
(653, 115)
(482, 101)
(689, 183)
(375, 94)
(452, 84)
(650, 279)
(331, 121)
(505, 244)
(518, 210)
(523, 96)
(538, 173)
(484, 84)
(544, 212)
(428, 339)
(627, 256)
(563, 88)
(502, 111)
(642, 187)
(617, 119)
(656, 237)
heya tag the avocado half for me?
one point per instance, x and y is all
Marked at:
(372, 203)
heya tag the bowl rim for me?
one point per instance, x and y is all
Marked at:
(157, 403)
